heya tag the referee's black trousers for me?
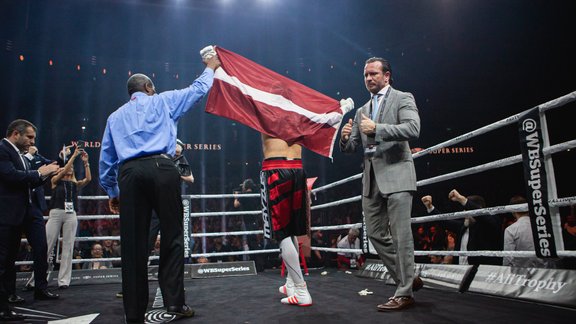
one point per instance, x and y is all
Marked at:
(146, 184)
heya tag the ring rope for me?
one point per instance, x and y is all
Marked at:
(226, 233)
(490, 211)
(560, 101)
(520, 254)
(555, 103)
(557, 202)
(336, 227)
(494, 164)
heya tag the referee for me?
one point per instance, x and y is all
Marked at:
(137, 173)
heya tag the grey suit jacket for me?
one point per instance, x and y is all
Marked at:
(392, 162)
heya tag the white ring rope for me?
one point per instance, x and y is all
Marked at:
(338, 202)
(232, 213)
(227, 233)
(339, 182)
(335, 227)
(241, 195)
(521, 254)
(495, 164)
(555, 103)
(490, 211)
(506, 121)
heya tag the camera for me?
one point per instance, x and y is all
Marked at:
(81, 144)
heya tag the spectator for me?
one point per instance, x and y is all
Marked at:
(85, 231)
(318, 259)
(475, 233)
(569, 236)
(518, 237)
(202, 259)
(450, 246)
(97, 253)
(347, 260)
(436, 259)
(437, 238)
(218, 247)
(77, 256)
(236, 245)
(110, 252)
(421, 243)
(155, 251)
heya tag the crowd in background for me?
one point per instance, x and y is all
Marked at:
(442, 235)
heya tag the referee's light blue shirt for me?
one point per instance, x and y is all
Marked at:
(146, 125)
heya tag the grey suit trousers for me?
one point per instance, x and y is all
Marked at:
(388, 226)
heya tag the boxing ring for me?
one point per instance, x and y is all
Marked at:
(335, 293)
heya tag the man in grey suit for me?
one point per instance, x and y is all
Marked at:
(382, 128)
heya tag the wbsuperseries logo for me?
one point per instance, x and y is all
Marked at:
(537, 192)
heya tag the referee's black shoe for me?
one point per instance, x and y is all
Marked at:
(180, 311)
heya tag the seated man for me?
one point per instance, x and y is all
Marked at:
(97, 253)
(348, 260)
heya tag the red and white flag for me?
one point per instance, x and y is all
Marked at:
(273, 104)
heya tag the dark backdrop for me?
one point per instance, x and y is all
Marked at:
(468, 63)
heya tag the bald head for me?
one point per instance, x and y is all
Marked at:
(140, 82)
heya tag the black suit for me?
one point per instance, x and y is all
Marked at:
(34, 228)
(15, 205)
(38, 197)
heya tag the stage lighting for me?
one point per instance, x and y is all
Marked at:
(21, 58)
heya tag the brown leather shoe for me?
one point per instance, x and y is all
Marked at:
(396, 304)
(417, 284)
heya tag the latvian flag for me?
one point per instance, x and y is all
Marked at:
(273, 104)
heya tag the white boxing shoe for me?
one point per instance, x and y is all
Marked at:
(288, 288)
(301, 296)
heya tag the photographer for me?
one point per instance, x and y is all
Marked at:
(63, 207)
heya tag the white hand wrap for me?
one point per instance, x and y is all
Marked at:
(346, 105)
(207, 52)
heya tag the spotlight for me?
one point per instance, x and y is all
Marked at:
(78, 67)
(50, 63)
(21, 58)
